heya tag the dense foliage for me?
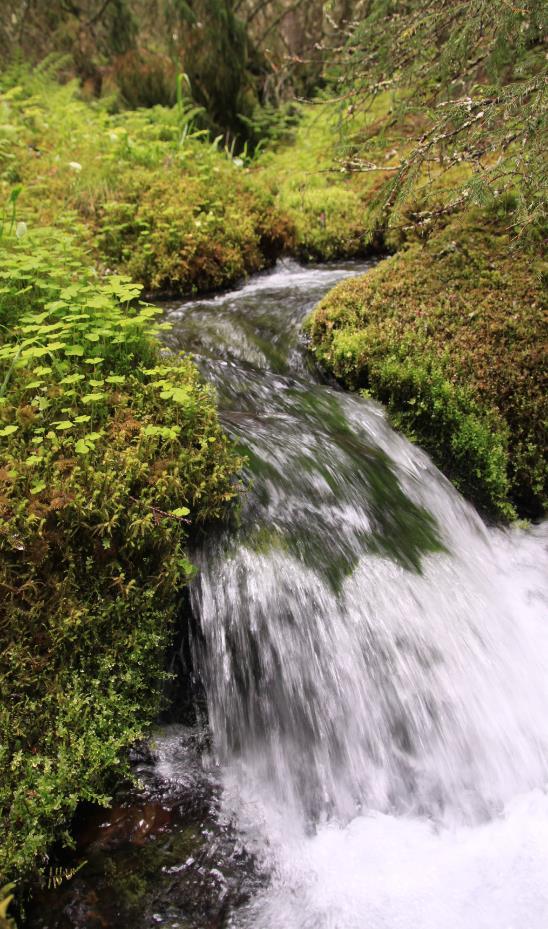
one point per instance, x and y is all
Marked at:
(109, 454)
(472, 74)
(242, 58)
(157, 199)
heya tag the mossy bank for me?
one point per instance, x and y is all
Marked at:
(111, 454)
(448, 334)
(111, 451)
(150, 193)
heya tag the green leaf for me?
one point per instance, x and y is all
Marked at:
(149, 311)
(35, 352)
(76, 350)
(8, 430)
(94, 397)
(64, 425)
(38, 488)
(180, 511)
(15, 193)
(82, 448)
(180, 395)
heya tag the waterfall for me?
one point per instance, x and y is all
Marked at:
(375, 657)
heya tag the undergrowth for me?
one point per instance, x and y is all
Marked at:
(327, 206)
(448, 334)
(153, 196)
(111, 453)
(332, 196)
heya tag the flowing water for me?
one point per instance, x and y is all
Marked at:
(375, 658)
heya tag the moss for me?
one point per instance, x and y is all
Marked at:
(111, 454)
(199, 239)
(145, 189)
(448, 334)
(332, 179)
(328, 206)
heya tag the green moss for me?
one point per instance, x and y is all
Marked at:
(447, 333)
(332, 178)
(328, 206)
(111, 453)
(153, 197)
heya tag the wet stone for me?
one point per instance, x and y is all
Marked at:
(162, 855)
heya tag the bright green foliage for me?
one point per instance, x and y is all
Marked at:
(109, 452)
(448, 335)
(328, 206)
(155, 197)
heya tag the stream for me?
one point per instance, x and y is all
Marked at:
(375, 664)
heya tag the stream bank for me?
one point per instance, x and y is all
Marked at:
(449, 334)
(179, 215)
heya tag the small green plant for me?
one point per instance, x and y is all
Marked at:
(11, 208)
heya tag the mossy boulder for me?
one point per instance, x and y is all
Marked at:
(448, 334)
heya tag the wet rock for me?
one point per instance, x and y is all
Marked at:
(160, 856)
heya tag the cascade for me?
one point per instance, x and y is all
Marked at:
(374, 655)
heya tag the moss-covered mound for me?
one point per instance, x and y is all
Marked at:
(327, 204)
(152, 195)
(110, 454)
(449, 335)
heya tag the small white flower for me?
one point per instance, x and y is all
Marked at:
(75, 166)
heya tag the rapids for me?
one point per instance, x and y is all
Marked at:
(375, 657)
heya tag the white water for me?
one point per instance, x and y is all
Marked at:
(463, 842)
(382, 728)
